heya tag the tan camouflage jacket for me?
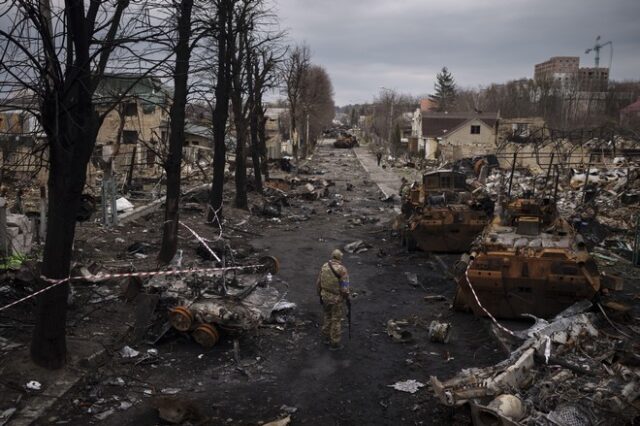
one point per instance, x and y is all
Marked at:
(330, 288)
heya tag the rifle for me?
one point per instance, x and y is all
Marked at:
(349, 314)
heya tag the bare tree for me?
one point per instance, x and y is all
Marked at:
(173, 162)
(222, 33)
(60, 54)
(263, 77)
(295, 66)
(388, 107)
(317, 108)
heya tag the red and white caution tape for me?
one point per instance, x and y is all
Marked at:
(202, 241)
(495, 321)
(17, 302)
(101, 277)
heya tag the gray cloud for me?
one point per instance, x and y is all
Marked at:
(401, 44)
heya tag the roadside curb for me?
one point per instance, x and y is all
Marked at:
(59, 381)
(380, 187)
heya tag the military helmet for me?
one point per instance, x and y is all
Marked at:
(336, 254)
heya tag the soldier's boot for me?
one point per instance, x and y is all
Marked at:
(335, 346)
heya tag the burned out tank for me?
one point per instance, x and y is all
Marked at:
(346, 141)
(529, 260)
(442, 214)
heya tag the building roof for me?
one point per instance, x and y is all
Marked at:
(631, 107)
(198, 130)
(147, 88)
(438, 124)
(427, 104)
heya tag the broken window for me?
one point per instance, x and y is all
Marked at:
(475, 130)
(129, 137)
(130, 109)
(151, 157)
(520, 129)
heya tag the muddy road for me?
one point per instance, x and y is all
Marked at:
(287, 370)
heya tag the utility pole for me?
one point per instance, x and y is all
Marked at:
(390, 121)
(307, 137)
(392, 100)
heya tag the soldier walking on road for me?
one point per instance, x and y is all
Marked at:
(333, 290)
(379, 157)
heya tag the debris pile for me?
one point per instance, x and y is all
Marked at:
(603, 207)
(205, 305)
(579, 368)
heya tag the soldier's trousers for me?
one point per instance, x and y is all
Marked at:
(332, 327)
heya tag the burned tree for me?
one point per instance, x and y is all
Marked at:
(221, 30)
(263, 77)
(173, 162)
(251, 35)
(60, 54)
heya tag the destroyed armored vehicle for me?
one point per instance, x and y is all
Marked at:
(346, 141)
(443, 214)
(529, 260)
(207, 305)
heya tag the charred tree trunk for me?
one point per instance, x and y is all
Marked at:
(262, 142)
(239, 72)
(255, 151)
(71, 124)
(240, 123)
(253, 87)
(221, 109)
(176, 136)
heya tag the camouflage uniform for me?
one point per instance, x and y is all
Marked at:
(332, 292)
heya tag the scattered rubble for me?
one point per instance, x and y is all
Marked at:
(439, 331)
(396, 329)
(409, 386)
(358, 246)
(572, 369)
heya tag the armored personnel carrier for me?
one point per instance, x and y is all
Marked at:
(442, 214)
(528, 260)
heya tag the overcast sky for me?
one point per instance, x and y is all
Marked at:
(402, 44)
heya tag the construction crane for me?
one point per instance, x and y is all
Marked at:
(596, 48)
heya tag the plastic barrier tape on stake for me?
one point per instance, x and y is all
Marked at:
(102, 277)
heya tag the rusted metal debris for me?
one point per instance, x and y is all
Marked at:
(443, 214)
(529, 260)
(346, 141)
(208, 306)
(567, 371)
